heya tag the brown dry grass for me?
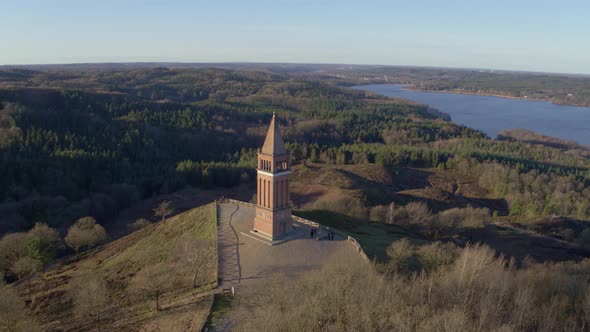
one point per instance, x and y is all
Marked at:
(316, 185)
(118, 262)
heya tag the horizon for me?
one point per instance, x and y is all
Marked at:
(213, 64)
(463, 35)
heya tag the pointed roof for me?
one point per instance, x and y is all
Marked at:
(274, 144)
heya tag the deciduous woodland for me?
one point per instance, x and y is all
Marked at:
(80, 145)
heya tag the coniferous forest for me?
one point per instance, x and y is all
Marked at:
(74, 143)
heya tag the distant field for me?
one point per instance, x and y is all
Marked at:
(118, 262)
(318, 186)
(346, 197)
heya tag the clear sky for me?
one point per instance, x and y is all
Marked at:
(536, 35)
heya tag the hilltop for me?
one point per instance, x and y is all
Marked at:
(118, 262)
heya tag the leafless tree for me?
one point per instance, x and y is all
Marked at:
(163, 209)
(152, 281)
(12, 248)
(90, 295)
(390, 216)
(418, 212)
(197, 254)
(26, 267)
(401, 256)
(85, 233)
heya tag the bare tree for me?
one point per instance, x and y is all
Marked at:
(90, 295)
(401, 256)
(12, 248)
(197, 254)
(85, 233)
(26, 267)
(418, 212)
(390, 216)
(163, 209)
(398, 216)
(13, 313)
(152, 281)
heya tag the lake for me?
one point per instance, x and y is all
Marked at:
(494, 114)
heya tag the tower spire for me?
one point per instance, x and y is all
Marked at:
(274, 144)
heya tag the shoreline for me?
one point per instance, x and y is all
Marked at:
(412, 88)
(487, 95)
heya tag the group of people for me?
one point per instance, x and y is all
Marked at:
(313, 232)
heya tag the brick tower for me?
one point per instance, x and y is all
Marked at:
(273, 210)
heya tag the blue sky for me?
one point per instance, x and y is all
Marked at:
(531, 35)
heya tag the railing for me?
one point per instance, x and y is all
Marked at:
(230, 200)
(359, 248)
(305, 221)
(346, 236)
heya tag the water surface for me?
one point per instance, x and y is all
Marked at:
(494, 114)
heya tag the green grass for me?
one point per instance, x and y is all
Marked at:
(374, 237)
(157, 245)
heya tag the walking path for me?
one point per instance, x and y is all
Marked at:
(229, 258)
(245, 261)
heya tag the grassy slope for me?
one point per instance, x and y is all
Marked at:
(373, 184)
(330, 194)
(118, 262)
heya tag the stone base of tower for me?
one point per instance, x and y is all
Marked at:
(273, 224)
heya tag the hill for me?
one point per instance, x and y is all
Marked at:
(118, 262)
(355, 199)
(395, 175)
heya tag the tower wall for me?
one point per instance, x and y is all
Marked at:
(273, 208)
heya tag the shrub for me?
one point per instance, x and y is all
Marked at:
(12, 248)
(139, 224)
(478, 291)
(418, 212)
(436, 255)
(401, 257)
(85, 233)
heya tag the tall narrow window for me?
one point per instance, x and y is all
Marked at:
(264, 200)
(268, 193)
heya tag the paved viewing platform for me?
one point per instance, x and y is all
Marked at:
(244, 258)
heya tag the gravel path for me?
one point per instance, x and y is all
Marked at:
(229, 258)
